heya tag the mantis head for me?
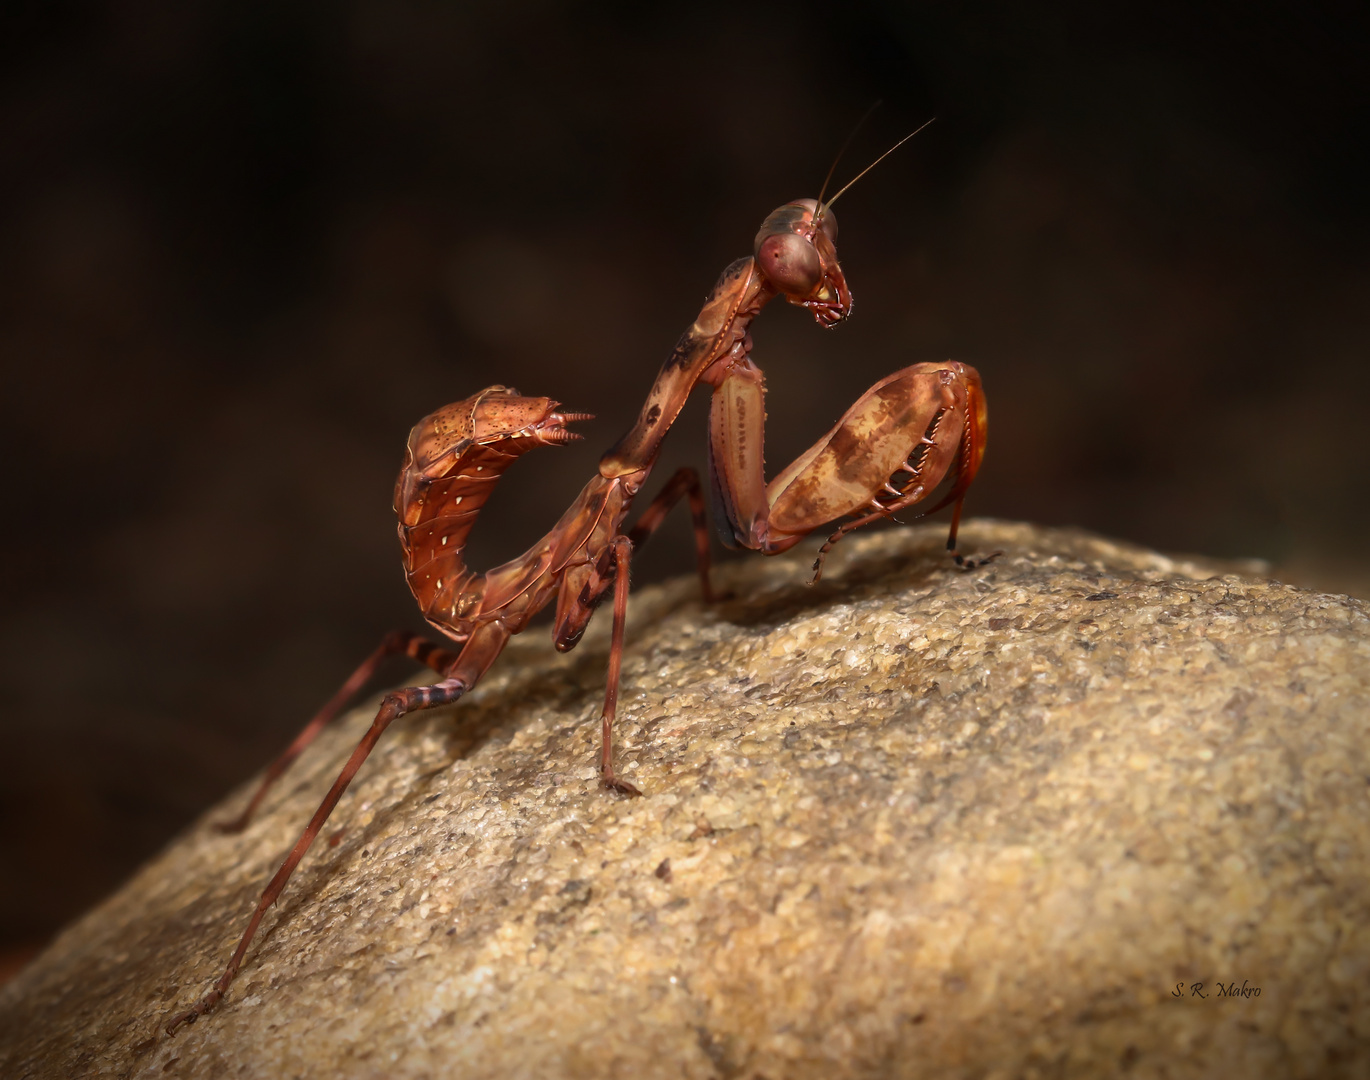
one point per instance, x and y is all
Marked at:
(796, 251)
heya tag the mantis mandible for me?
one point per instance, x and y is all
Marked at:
(889, 451)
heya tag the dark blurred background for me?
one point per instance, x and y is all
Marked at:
(246, 244)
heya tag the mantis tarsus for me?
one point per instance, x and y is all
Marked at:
(889, 451)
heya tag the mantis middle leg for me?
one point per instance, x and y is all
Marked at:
(585, 586)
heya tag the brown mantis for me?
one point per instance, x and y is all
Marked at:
(890, 450)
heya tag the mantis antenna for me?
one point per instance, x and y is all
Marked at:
(868, 168)
(833, 167)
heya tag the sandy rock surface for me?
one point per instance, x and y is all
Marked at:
(912, 822)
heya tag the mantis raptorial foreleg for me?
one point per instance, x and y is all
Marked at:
(889, 451)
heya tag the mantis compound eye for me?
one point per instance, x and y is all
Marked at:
(790, 263)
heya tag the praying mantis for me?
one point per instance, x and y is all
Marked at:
(891, 450)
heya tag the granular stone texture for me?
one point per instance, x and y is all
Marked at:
(1084, 811)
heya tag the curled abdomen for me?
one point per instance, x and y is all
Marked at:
(454, 458)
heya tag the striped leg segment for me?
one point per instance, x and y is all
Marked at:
(622, 551)
(395, 643)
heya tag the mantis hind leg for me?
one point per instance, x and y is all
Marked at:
(400, 641)
(480, 651)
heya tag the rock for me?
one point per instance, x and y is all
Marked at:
(1082, 811)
